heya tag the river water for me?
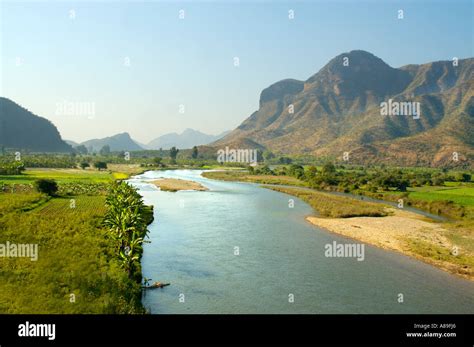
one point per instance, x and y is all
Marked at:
(239, 248)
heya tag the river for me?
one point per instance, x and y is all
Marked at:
(239, 248)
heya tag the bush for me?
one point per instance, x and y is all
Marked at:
(100, 165)
(46, 186)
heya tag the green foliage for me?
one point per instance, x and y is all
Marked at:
(105, 150)
(74, 257)
(296, 171)
(335, 206)
(328, 169)
(157, 160)
(173, 153)
(264, 170)
(84, 164)
(285, 160)
(267, 155)
(12, 168)
(125, 220)
(81, 149)
(46, 186)
(99, 165)
(194, 153)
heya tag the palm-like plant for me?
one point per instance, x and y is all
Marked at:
(125, 222)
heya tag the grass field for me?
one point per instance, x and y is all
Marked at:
(61, 206)
(77, 270)
(60, 175)
(328, 205)
(463, 195)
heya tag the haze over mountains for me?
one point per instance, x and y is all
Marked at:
(187, 139)
(338, 110)
(20, 129)
(119, 142)
(123, 142)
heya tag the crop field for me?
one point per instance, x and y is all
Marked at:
(463, 195)
(75, 270)
(11, 202)
(93, 205)
(60, 175)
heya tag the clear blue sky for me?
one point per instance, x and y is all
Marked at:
(190, 61)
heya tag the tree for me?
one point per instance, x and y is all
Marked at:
(311, 173)
(81, 149)
(195, 152)
(264, 170)
(125, 220)
(296, 171)
(84, 164)
(285, 160)
(157, 160)
(105, 150)
(463, 177)
(328, 169)
(267, 155)
(173, 153)
(46, 186)
(100, 165)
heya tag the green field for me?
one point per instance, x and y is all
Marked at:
(460, 194)
(93, 205)
(60, 175)
(77, 270)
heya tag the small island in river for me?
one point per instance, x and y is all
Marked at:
(174, 184)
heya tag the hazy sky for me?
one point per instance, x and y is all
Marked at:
(136, 62)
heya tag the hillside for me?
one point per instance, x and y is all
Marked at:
(119, 142)
(22, 130)
(338, 110)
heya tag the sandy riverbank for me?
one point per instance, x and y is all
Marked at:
(174, 184)
(403, 231)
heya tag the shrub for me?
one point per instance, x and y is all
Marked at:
(46, 186)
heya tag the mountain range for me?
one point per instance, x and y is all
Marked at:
(119, 142)
(123, 142)
(187, 139)
(338, 110)
(334, 113)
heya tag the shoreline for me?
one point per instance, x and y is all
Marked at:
(402, 231)
(385, 233)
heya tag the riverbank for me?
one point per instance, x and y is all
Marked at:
(448, 246)
(174, 185)
(407, 233)
(389, 228)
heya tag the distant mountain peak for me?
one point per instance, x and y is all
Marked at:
(118, 142)
(187, 139)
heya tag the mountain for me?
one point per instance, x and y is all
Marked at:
(22, 130)
(338, 110)
(187, 139)
(119, 142)
(71, 143)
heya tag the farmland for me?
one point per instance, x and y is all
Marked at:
(77, 270)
